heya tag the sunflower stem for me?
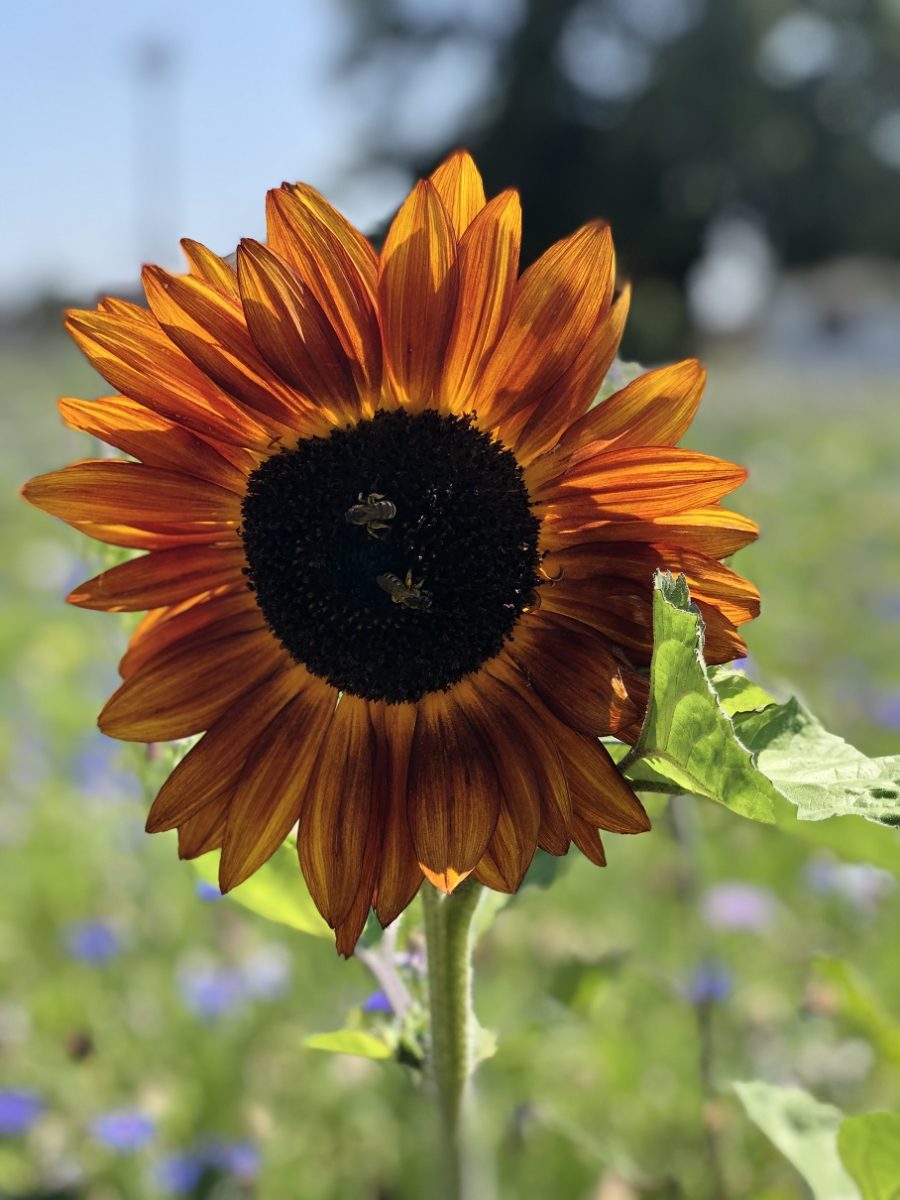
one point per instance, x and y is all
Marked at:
(448, 937)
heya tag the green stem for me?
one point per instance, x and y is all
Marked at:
(448, 924)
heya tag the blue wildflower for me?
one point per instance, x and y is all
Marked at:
(19, 1109)
(709, 984)
(93, 942)
(210, 991)
(240, 1159)
(207, 891)
(124, 1131)
(179, 1174)
(377, 1003)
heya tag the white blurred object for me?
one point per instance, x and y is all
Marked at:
(799, 47)
(729, 287)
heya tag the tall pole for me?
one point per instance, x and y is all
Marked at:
(157, 158)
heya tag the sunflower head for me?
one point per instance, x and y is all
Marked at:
(397, 568)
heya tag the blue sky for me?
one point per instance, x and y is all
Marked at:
(252, 104)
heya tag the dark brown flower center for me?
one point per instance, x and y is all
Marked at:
(392, 558)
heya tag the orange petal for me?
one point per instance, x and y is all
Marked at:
(417, 291)
(270, 793)
(458, 183)
(157, 441)
(619, 609)
(230, 610)
(293, 334)
(399, 877)
(556, 304)
(206, 265)
(310, 231)
(210, 770)
(209, 328)
(488, 264)
(204, 831)
(339, 267)
(653, 410)
(333, 837)
(506, 734)
(554, 412)
(587, 839)
(711, 530)
(453, 792)
(107, 491)
(186, 690)
(576, 676)
(643, 481)
(600, 793)
(709, 581)
(136, 357)
(160, 578)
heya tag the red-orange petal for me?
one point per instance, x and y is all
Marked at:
(417, 293)
(108, 491)
(710, 530)
(269, 795)
(709, 580)
(587, 839)
(488, 265)
(399, 877)
(643, 482)
(209, 329)
(227, 611)
(576, 675)
(339, 267)
(133, 354)
(204, 831)
(334, 825)
(160, 578)
(653, 410)
(211, 267)
(556, 304)
(453, 792)
(554, 412)
(505, 733)
(458, 183)
(293, 334)
(210, 770)
(157, 441)
(186, 690)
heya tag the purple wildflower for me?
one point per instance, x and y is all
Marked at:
(740, 906)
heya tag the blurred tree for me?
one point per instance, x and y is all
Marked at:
(661, 115)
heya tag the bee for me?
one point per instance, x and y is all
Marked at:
(374, 512)
(405, 591)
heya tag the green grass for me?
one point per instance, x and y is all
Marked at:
(598, 1071)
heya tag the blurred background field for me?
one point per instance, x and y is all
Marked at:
(151, 1035)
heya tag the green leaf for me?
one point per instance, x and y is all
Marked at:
(276, 891)
(869, 1147)
(805, 1132)
(687, 738)
(737, 692)
(350, 1041)
(818, 772)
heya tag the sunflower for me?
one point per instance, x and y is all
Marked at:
(398, 571)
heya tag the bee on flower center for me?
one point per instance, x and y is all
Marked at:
(405, 591)
(373, 511)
